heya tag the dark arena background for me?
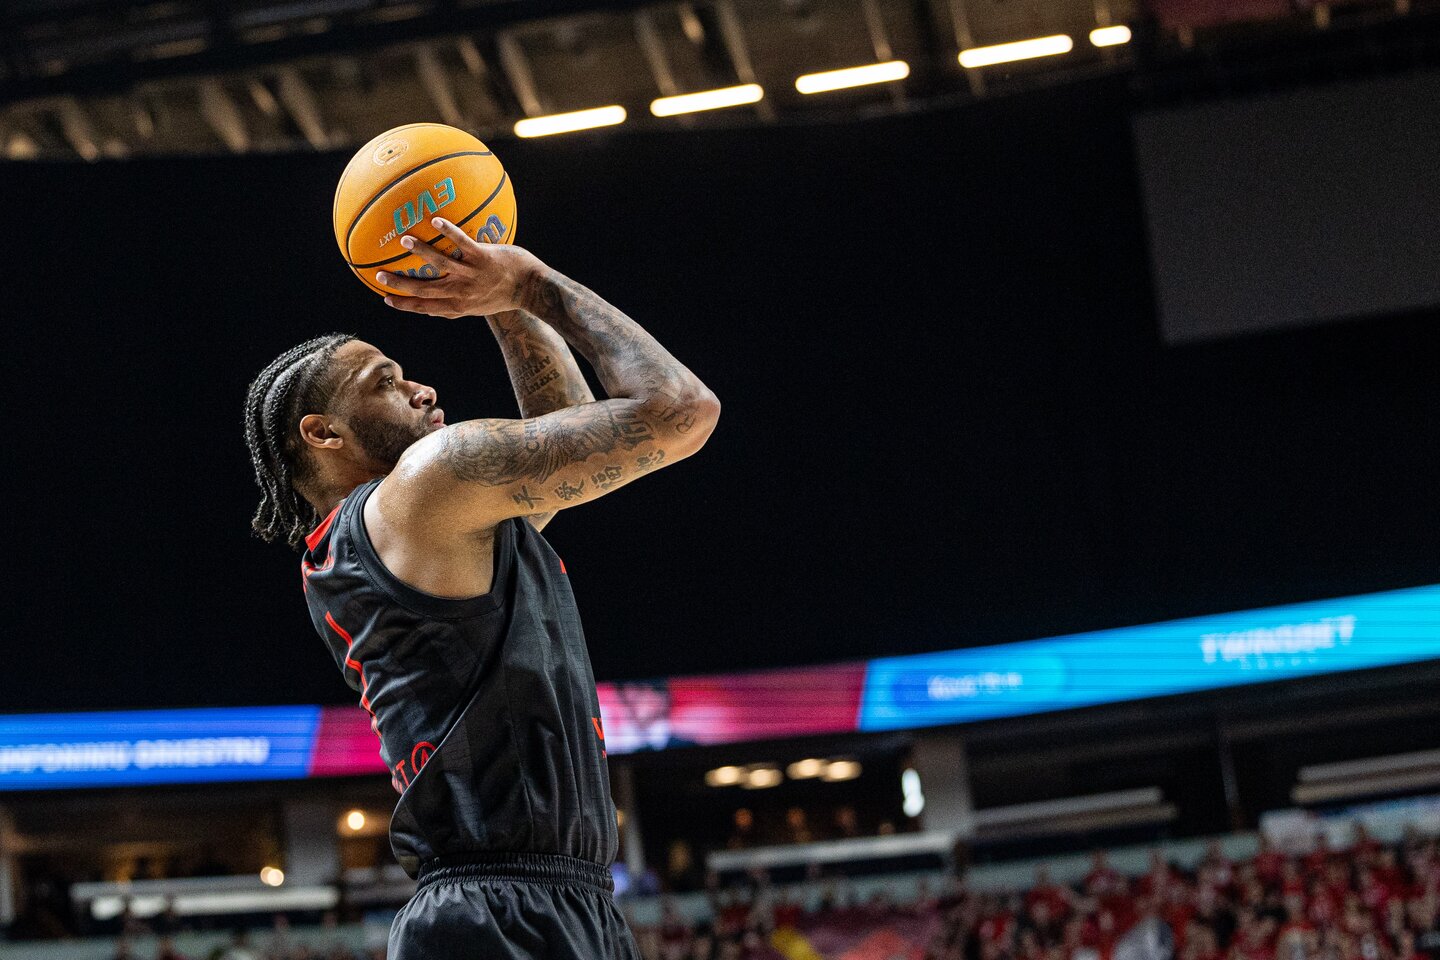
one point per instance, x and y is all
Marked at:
(1059, 583)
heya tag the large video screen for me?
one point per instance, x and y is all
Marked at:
(731, 708)
(57, 751)
(1291, 208)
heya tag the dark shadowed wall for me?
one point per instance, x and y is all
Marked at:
(948, 416)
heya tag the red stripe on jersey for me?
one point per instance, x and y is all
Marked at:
(349, 640)
(562, 565)
(313, 540)
(364, 684)
(351, 662)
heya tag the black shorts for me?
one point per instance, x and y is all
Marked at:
(527, 906)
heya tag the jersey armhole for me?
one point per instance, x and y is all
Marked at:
(418, 601)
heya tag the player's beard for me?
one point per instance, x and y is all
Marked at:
(386, 440)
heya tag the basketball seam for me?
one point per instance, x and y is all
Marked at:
(504, 176)
(413, 170)
(346, 172)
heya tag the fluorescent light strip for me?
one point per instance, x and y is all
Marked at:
(1019, 50)
(707, 100)
(234, 901)
(1110, 36)
(852, 77)
(569, 122)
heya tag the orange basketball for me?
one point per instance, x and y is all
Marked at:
(400, 181)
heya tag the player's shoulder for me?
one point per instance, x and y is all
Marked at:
(397, 515)
(431, 494)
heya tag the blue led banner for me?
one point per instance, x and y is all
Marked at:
(1132, 663)
(56, 751)
(50, 751)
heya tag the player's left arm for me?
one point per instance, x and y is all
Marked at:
(542, 370)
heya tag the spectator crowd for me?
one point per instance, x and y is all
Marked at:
(1367, 901)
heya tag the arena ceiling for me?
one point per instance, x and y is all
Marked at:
(92, 80)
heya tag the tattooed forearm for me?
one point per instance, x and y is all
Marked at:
(569, 448)
(629, 362)
(533, 384)
(570, 491)
(607, 476)
(542, 370)
(498, 452)
(533, 372)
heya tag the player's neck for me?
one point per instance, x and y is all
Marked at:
(325, 492)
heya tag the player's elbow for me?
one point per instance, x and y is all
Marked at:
(685, 414)
(704, 414)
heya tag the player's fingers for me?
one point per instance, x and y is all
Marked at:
(410, 286)
(447, 308)
(428, 253)
(462, 240)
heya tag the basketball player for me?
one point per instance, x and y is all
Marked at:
(444, 606)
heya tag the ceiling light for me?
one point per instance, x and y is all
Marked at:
(1019, 50)
(570, 122)
(853, 77)
(724, 776)
(914, 798)
(841, 770)
(758, 778)
(806, 769)
(1110, 36)
(707, 100)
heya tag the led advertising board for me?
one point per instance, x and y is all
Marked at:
(56, 751)
(1133, 663)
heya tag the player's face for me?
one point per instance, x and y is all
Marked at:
(386, 412)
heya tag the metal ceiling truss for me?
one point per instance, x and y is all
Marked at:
(96, 80)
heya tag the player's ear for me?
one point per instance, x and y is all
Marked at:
(315, 430)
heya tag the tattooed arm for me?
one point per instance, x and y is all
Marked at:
(472, 475)
(542, 370)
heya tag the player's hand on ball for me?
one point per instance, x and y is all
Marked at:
(480, 278)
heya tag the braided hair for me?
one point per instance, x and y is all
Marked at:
(295, 383)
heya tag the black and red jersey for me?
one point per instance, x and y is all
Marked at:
(485, 707)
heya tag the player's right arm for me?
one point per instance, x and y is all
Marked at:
(476, 473)
(542, 370)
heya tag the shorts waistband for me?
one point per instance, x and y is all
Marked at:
(517, 867)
